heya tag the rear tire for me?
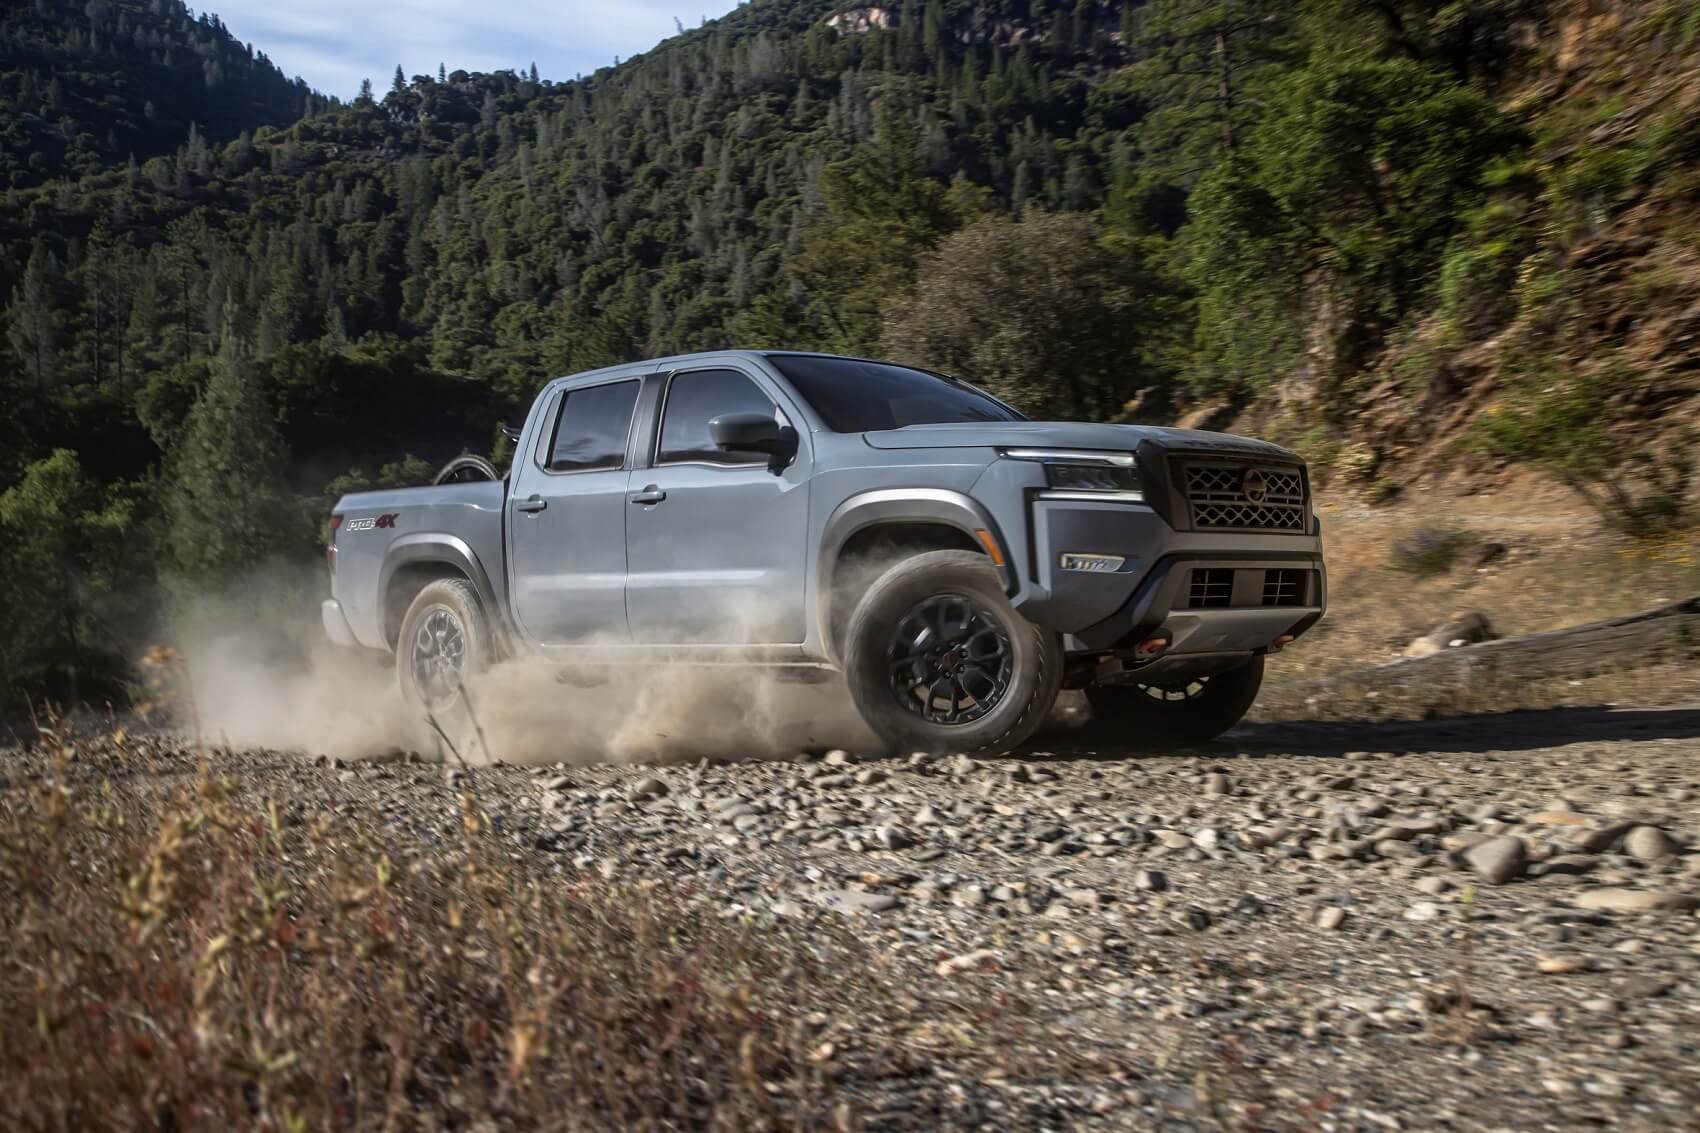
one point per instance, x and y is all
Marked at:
(444, 642)
(1196, 712)
(937, 659)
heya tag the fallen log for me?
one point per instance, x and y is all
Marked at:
(1666, 633)
(1492, 674)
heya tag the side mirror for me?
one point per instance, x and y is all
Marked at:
(747, 432)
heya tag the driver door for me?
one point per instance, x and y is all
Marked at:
(716, 541)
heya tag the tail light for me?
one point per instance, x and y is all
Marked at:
(330, 547)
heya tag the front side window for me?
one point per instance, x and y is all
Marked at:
(592, 427)
(857, 396)
(694, 399)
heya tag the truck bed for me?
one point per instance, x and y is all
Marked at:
(463, 520)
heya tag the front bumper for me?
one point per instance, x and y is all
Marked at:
(336, 625)
(1154, 590)
(1249, 621)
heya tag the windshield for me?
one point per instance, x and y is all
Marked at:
(853, 396)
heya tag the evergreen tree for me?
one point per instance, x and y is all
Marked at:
(227, 505)
(1203, 65)
(34, 317)
(69, 561)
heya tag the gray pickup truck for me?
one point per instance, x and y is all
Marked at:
(958, 563)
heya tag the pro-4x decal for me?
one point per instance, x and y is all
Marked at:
(370, 522)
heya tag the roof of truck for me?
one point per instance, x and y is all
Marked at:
(649, 365)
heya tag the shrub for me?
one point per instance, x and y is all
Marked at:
(1344, 200)
(1476, 281)
(1563, 424)
(1357, 462)
(1430, 550)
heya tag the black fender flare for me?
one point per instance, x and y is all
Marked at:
(896, 506)
(440, 548)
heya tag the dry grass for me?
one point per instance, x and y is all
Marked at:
(1376, 698)
(197, 964)
(1560, 568)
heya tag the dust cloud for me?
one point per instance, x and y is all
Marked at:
(257, 671)
(531, 712)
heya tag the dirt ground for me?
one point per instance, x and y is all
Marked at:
(1549, 563)
(1484, 922)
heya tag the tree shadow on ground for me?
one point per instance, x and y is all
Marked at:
(1497, 732)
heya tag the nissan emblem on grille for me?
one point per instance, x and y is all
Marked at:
(1245, 498)
(1254, 486)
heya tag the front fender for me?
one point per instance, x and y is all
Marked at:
(896, 506)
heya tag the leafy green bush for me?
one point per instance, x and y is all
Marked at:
(73, 569)
(1347, 195)
(1040, 310)
(1478, 276)
(1596, 180)
(1563, 424)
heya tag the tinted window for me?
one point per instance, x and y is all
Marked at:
(853, 396)
(592, 428)
(696, 398)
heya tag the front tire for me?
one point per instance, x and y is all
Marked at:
(444, 642)
(1191, 713)
(937, 659)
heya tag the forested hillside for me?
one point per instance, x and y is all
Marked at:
(89, 83)
(1363, 223)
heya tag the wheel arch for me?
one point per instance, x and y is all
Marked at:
(414, 562)
(895, 522)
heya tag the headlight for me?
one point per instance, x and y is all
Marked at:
(1091, 477)
(1079, 474)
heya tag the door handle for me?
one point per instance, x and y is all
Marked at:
(531, 504)
(650, 495)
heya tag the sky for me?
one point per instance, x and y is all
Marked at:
(333, 44)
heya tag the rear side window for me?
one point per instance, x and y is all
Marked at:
(592, 427)
(694, 399)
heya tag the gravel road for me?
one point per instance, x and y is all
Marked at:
(1490, 923)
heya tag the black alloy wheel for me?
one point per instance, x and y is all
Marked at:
(950, 660)
(938, 660)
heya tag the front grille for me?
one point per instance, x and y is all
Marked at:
(1284, 587)
(1211, 589)
(1245, 497)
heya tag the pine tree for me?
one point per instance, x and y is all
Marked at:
(227, 506)
(34, 318)
(1203, 64)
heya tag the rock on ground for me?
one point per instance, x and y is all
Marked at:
(1304, 902)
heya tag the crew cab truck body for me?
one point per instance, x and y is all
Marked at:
(958, 563)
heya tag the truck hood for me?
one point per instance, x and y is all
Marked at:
(1066, 434)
